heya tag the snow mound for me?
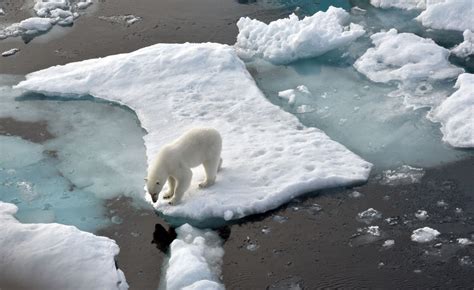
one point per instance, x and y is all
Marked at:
(449, 15)
(54, 256)
(456, 114)
(405, 57)
(286, 40)
(465, 48)
(269, 157)
(195, 260)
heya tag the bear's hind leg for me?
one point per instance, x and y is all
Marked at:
(183, 180)
(211, 168)
(172, 186)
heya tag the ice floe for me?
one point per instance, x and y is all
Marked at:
(424, 235)
(269, 157)
(464, 241)
(195, 260)
(456, 114)
(369, 215)
(55, 256)
(289, 39)
(388, 243)
(465, 48)
(421, 214)
(405, 57)
(449, 15)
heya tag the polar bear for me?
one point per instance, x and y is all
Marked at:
(175, 160)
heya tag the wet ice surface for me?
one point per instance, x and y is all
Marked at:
(66, 178)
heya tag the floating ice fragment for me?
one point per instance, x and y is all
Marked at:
(388, 243)
(441, 203)
(449, 15)
(195, 260)
(458, 210)
(228, 215)
(421, 215)
(83, 4)
(252, 246)
(68, 258)
(405, 174)
(292, 94)
(465, 48)
(302, 109)
(2, 12)
(289, 39)
(355, 194)
(374, 231)
(466, 261)
(10, 52)
(456, 114)
(266, 230)
(35, 25)
(465, 241)
(369, 215)
(128, 19)
(420, 59)
(424, 235)
(280, 219)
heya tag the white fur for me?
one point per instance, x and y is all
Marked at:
(175, 160)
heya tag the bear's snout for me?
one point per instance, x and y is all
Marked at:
(154, 197)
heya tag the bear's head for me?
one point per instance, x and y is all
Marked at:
(154, 187)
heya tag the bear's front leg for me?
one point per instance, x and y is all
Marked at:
(183, 180)
(172, 186)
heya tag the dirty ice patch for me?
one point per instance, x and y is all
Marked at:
(286, 40)
(54, 256)
(456, 114)
(424, 235)
(195, 260)
(465, 48)
(269, 157)
(449, 15)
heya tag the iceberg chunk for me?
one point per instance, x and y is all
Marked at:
(286, 40)
(424, 235)
(55, 256)
(405, 57)
(456, 114)
(195, 260)
(269, 157)
(449, 15)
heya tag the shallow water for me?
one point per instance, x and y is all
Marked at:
(93, 151)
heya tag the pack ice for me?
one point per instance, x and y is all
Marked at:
(285, 40)
(456, 114)
(448, 15)
(54, 256)
(269, 157)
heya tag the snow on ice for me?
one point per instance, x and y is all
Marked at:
(269, 157)
(286, 40)
(456, 114)
(195, 260)
(55, 256)
(465, 48)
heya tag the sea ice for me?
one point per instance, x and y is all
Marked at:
(388, 243)
(405, 57)
(195, 260)
(402, 175)
(269, 157)
(2, 12)
(292, 94)
(465, 241)
(465, 48)
(10, 52)
(449, 15)
(286, 40)
(369, 215)
(421, 214)
(403, 4)
(456, 114)
(374, 231)
(128, 19)
(16, 152)
(55, 256)
(424, 235)
(35, 25)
